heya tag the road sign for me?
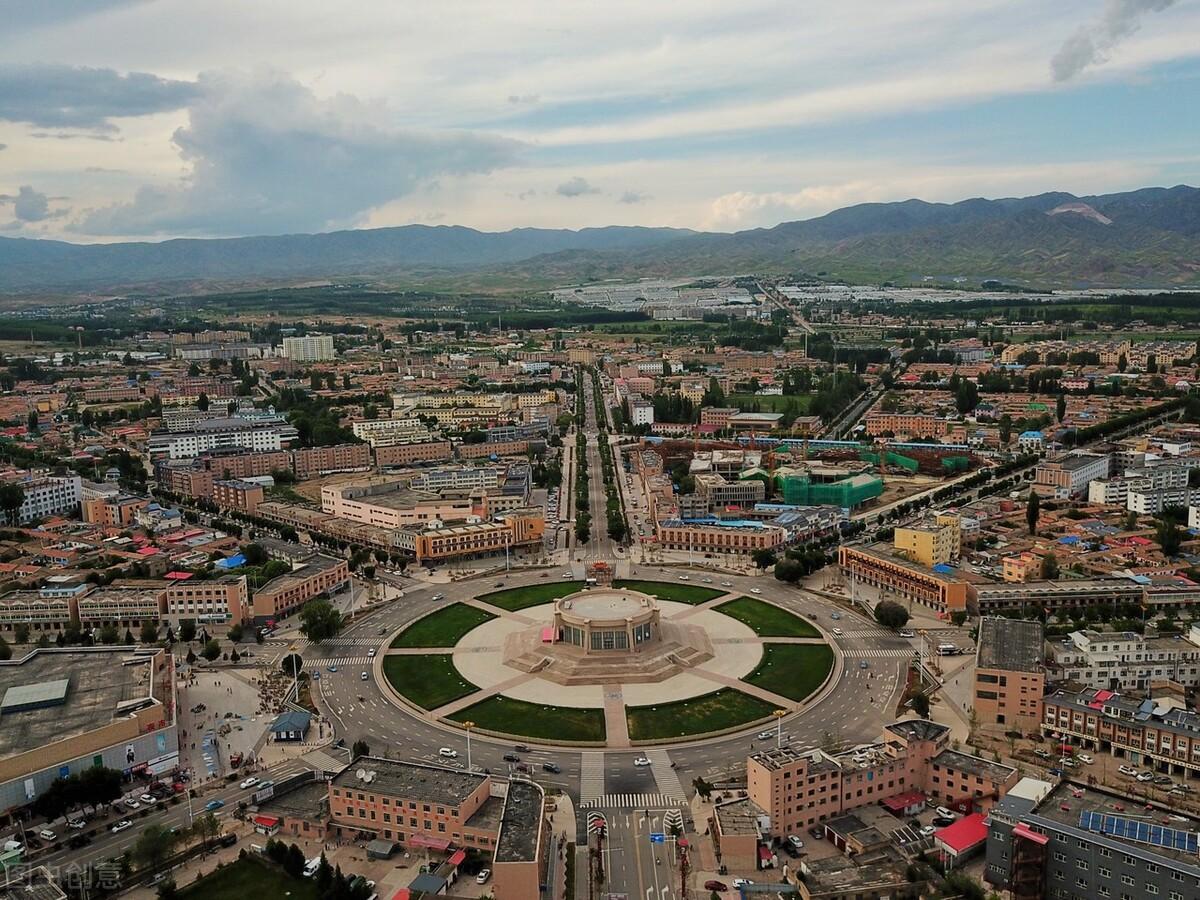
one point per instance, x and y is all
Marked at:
(657, 837)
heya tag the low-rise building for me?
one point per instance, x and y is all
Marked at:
(1009, 674)
(219, 600)
(243, 496)
(1125, 660)
(711, 535)
(284, 595)
(879, 566)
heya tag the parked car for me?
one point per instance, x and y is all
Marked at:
(77, 823)
(927, 830)
(945, 813)
(228, 839)
(817, 833)
(1041, 754)
(1128, 770)
(48, 836)
(1145, 776)
(713, 885)
(1085, 759)
(942, 822)
(147, 799)
(741, 882)
(795, 842)
(483, 876)
(132, 803)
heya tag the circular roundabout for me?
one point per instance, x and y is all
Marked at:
(631, 664)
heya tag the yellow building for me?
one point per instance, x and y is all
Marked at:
(930, 544)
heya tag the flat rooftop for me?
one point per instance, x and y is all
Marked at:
(1010, 644)
(738, 817)
(606, 605)
(411, 781)
(520, 823)
(1068, 800)
(973, 765)
(308, 801)
(100, 688)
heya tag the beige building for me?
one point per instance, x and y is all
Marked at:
(930, 543)
(1009, 674)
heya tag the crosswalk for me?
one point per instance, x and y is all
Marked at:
(866, 632)
(880, 653)
(664, 776)
(337, 643)
(632, 801)
(591, 775)
(317, 664)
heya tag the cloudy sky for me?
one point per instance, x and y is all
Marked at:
(128, 119)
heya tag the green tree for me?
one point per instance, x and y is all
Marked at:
(1170, 537)
(212, 650)
(1005, 429)
(5, 650)
(920, 705)
(789, 570)
(360, 748)
(21, 633)
(319, 620)
(764, 558)
(167, 889)
(31, 422)
(153, 846)
(149, 632)
(12, 496)
(1033, 511)
(966, 398)
(891, 614)
(187, 630)
(109, 634)
(1060, 408)
(1050, 567)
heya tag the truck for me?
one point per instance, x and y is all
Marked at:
(235, 760)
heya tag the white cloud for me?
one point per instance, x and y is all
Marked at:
(576, 187)
(266, 155)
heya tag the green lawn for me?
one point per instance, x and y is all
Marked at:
(428, 680)
(516, 598)
(670, 590)
(250, 878)
(517, 717)
(443, 628)
(771, 403)
(792, 670)
(726, 708)
(766, 619)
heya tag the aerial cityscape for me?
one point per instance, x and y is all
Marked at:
(489, 453)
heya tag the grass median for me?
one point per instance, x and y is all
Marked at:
(535, 720)
(517, 598)
(766, 619)
(443, 628)
(429, 680)
(670, 590)
(249, 878)
(792, 670)
(726, 708)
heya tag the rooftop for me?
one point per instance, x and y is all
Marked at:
(309, 801)
(102, 685)
(411, 781)
(1010, 644)
(973, 765)
(738, 817)
(1068, 800)
(605, 605)
(918, 729)
(520, 823)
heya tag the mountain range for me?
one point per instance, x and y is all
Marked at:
(1148, 237)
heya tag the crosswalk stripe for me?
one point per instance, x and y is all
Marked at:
(878, 653)
(314, 664)
(664, 776)
(591, 775)
(632, 801)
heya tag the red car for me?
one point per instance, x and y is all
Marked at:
(714, 885)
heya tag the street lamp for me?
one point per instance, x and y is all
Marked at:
(779, 714)
(468, 726)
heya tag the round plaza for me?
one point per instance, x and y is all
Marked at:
(614, 666)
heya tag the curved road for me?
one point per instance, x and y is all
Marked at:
(853, 710)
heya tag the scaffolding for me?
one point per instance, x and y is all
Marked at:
(907, 463)
(847, 493)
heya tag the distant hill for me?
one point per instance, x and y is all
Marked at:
(1148, 237)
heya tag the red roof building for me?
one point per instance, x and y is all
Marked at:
(959, 841)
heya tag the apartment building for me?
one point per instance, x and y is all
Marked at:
(220, 600)
(284, 595)
(218, 434)
(125, 606)
(389, 432)
(310, 461)
(1009, 674)
(929, 543)
(1153, 501)
(1157, 735)
(117, 511)
(390, 503)
(498, 448)
(126, 394)
(879, 566)
(309, 348)
(718, 416)
(243, 496)
(410, 454)
(237, 463)
(1076, 841)
(796, 789)
(717, 493)
(913, 425)
(511, 530)
(717, 536)
(1069, 476)
(1125, 660)
(48, 495)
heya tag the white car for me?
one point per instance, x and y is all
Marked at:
(741, 882)
(1085, 759)
(1145, 776)
(795, 842)
(131, 803)
(448, 753)
(837, 632)
(755, 591)
(148, 799)
(121, 826)
(47, 835)
(683, 578)
(483, 876)
(927, 830)
(1128, 770)
(945, 813)
(641, 761)
(726, 584)
(249, 782)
